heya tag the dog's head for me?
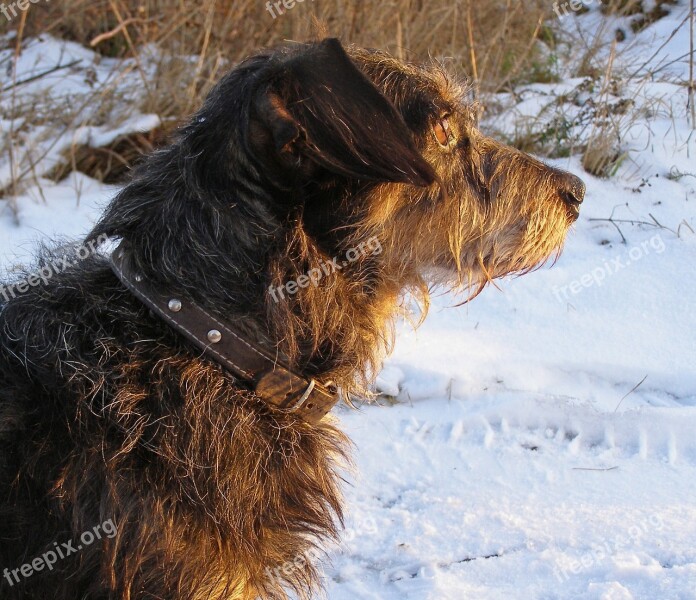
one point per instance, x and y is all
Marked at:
(307, 154)
(352, 145)
(394, 148)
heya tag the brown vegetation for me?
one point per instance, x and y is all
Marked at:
(498, 44)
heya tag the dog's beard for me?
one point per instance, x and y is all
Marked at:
(516, 249)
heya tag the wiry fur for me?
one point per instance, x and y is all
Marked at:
(106, 413)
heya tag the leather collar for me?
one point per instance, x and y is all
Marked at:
(272, 381)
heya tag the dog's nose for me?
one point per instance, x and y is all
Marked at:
(572, 190)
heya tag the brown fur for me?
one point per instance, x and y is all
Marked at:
(465, 243)
(298, 156)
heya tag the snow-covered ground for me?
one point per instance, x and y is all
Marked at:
(540, 442)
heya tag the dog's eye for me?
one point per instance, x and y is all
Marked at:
(441, 129)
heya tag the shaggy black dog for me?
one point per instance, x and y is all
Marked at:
(132, 466)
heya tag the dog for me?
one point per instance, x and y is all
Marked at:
(141, 458)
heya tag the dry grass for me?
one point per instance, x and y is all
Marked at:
(494, 42)
(642, 13)
(499, 44)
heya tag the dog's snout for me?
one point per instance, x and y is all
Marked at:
(572, 190)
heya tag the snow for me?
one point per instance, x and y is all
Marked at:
(57, 84)
(53, 211)
(537, 443)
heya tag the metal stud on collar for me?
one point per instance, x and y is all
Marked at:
(214, 336)
(271, 380)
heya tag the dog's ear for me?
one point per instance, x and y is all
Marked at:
(322, 107)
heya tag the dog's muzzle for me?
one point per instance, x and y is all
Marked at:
(272, 381)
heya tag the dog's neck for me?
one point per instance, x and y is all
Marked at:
(230, 254)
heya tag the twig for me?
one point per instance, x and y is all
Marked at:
(40, 75)
(131, 45)
(692, 85)
(116, 30)
(635, 387)
(472, 49)
(684, 224)
(655, 223)
(667, 41)
(209, 26)
(13, 161)
(90, 99)
(614, 223)
(664, 65)
(676, 174)
(589, 469)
